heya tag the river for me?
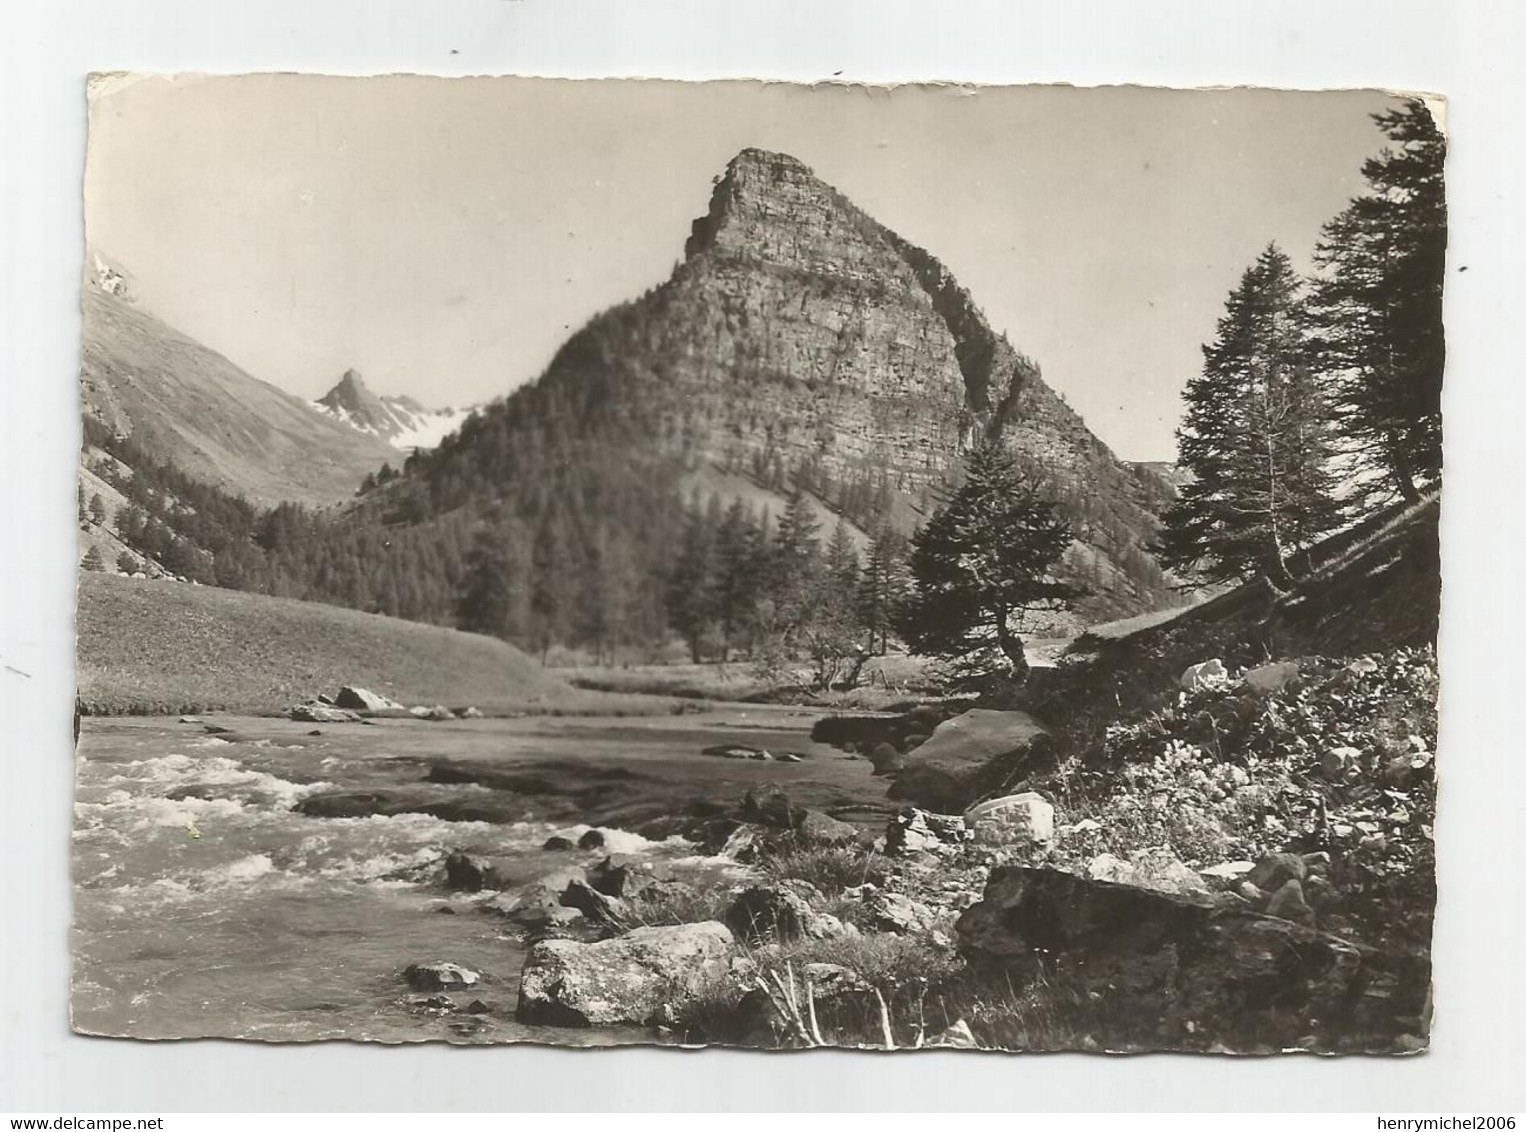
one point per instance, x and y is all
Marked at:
(207, 905)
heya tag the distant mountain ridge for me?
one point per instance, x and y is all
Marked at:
(142, 378)
(401, 421)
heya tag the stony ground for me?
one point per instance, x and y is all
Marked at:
(1247, 870)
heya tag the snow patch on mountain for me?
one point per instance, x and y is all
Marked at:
(401, 421)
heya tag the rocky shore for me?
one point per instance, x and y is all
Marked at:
(1266, 891)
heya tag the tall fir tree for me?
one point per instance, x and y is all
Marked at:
(1256, 438)
(984, 560)
(795, 565)
(692, 584)
(555, 587)
(1377, 302)
(738, 564)
(882, 586)
(491, 597)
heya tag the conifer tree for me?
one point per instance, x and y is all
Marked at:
(490, 592)
(882, 586)
(97, 509)
(842, 561)
(1256, 439)
(555, 585)
(738, 549)
(795, 561)
(982, 562)
(92, 561)
(1377, 303)
(692, 585)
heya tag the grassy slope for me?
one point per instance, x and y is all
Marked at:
(147, 647)
(193, 406)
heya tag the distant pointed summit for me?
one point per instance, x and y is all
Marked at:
(401, 421)
(108, 277)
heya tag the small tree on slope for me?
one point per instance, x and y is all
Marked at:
(1256, 438)
(982, 562)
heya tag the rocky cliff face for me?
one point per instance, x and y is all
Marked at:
(815, 339)
(800, 341)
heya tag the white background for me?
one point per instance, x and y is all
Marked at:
(1469, 51)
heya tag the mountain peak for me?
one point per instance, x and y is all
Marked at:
(401, 421)
(350, 395)
(108, 277)
(758, 184)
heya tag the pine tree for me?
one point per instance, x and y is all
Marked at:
(608, 590)
(1377, 304)
(981, 563)
(555, 586)
(882, 586)
(97, 509)
(795, 562)
(82, 512)
(1256, 439)
(738, 553)
(842, 560)
(693, 584)
(92, 561)
(127, 564)
(487, 601)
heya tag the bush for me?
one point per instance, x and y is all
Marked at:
(831, 868)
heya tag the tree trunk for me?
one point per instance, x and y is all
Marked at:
(1404, 475)
(1012, 648)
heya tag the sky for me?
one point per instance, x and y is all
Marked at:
(444, 236)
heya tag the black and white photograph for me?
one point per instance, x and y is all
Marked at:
(758, 564)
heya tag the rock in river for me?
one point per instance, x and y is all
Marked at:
(321, 713)
(362, 699)
(964, 757)
(638, 979)
(438, 976)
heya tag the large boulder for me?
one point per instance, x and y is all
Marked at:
(467, 874)
(321, 713)
(1207, 674)
(1021, 821)
(899, 914)
(780, 913)
(1270, 678)
(817, 828)
(599, 908)
(1204, 971)
(913, 831)
(964, 758)
(538, 905)
(1158, 869)
(362, 699)
(625, 875)
(768, 805)
(638, 979)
